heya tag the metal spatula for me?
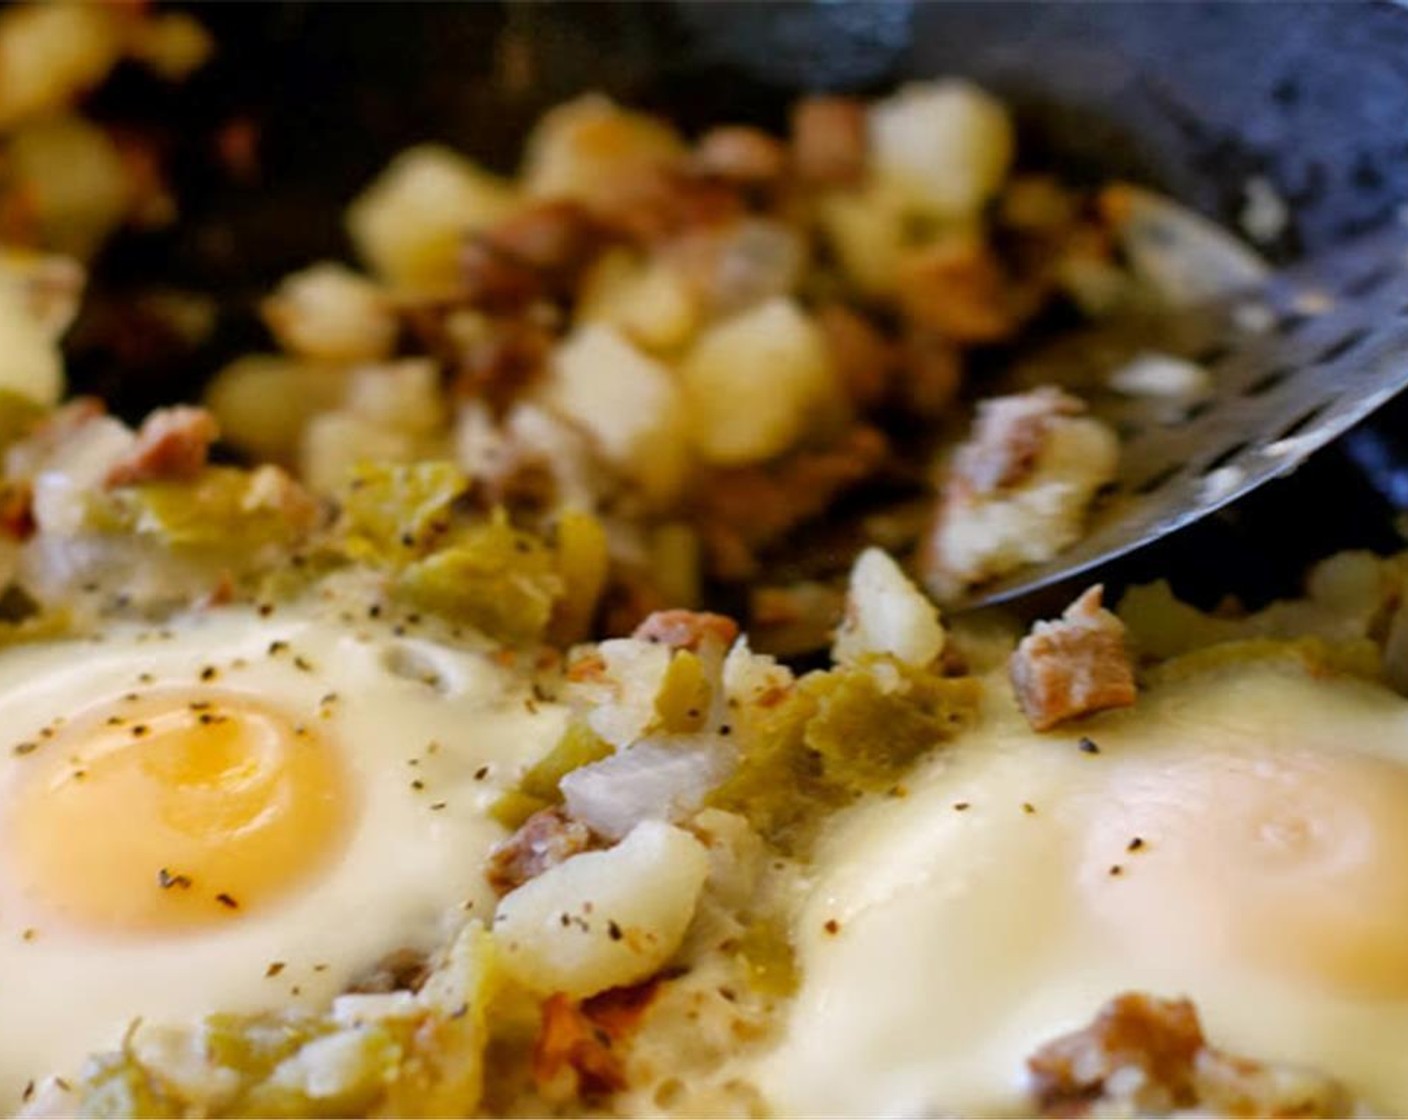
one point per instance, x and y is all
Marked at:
(1294, 364)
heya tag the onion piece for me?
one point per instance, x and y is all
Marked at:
(663, 778)
(1181, 256)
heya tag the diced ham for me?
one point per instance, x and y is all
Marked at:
(1143, 1056)
(689, 630)
(544, 840)
(1074, 666)
(173, 443)
(741, 154)
(829, 141)
(1008, 436)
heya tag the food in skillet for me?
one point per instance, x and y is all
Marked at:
(330, 794)
(745, 354)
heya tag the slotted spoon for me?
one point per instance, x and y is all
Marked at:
(1295, 363)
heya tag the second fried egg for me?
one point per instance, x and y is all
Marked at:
(1239, 838)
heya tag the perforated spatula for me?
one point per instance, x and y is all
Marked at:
(1294, 363)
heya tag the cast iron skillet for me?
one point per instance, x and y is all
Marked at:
(1194, 98)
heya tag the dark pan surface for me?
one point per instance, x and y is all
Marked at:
(1195, 98)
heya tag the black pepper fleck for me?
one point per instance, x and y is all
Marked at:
(1089, 746)
(1135, 844)
(960, 806)
(613, 931)
(1116, 869)
(481, 773)
(25, 748)
(1028, 808)
(227, 901)
(436, 806)
(832, 926)
(275, 967)
(209, 673)
(166, 880)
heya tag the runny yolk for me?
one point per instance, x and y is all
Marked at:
(174, 812)
(1287, 860)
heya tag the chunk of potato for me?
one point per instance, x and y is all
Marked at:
(74, 176)
(583, 148)
(263, 401)
(403, 395)
(51, 53)
(604, 919)
(647, 300)
(947, 146)
(330, 313)
(756, 383)
(335, 442)
(887, 614)
(409, 224)
(866, 230)
(628, 403)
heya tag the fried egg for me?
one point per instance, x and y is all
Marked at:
(242, 811)
(1239, 838)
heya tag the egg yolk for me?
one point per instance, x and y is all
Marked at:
(174, 812)
(1290, 860)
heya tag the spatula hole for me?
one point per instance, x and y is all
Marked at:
(1343, 346)
(1157, 479)
(1225, 457)
(1212, 353)
(1370, 281)
(1299, 425)
(1268, 381)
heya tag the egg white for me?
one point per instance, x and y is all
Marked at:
(411, 869)
(953, 931)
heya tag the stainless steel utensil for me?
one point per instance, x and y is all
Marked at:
(1294, 364)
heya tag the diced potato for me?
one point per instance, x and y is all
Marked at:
(30, 363)
(50, 287)
(646, 300)
(50, 54)
(947, 146)
(263, 401)
(756, 383)
(404, 395)
(887, 614)
(621, 698)
(409, 224)
(173, 44)
(73, 175)
(749, 677)
(984, 536)
(329, 313)
(68, 475)
(604, 919)
(583, 148)
(336, 442)
(866, 229)
(628, 403)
